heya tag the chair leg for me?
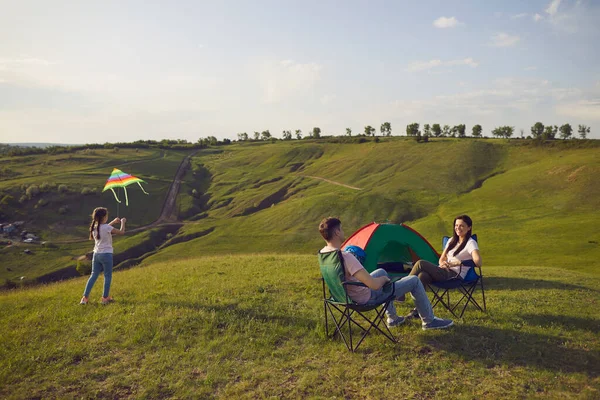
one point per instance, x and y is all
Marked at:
(482, 292)
(439, 298)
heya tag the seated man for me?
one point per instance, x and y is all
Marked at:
(331, 230)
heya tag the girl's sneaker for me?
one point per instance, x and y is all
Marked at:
(106, 300)
(84, 300)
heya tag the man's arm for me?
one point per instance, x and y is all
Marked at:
(372, 283)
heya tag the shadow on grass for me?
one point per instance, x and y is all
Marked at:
(492, 347)
(515, 283)
(565, 322)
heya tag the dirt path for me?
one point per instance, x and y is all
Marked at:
(332, 182)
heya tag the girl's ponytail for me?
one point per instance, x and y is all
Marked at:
(97, 216)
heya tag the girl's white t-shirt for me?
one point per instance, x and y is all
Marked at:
(464, 255)
(104, 244)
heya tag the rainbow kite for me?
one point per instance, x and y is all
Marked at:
(118, 179)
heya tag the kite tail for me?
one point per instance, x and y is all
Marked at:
(126, 199)
(116, 198)
(141, 187)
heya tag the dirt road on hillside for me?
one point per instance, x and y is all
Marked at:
(332, 182)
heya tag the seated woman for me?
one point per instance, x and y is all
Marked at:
(462, 247)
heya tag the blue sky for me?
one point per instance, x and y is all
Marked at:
(81, 72)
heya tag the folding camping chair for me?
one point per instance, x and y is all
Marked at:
(342, 310)
(466, 287)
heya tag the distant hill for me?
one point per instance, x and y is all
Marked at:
(40, 145)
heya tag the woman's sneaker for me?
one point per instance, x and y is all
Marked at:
(395, 321)
(438, 323)
(84, 300)
(106, 300)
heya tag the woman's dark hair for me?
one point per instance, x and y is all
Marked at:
(454, 241)
(97, 216)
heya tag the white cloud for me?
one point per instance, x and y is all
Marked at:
(427, 65)
(445, 22)
(553, 7)
(504, 40)
(21, 62)
(327, 99)
(280, 80)
(583, 109)
(518, 16)
(537, 17)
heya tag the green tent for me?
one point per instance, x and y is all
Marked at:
(392, 247)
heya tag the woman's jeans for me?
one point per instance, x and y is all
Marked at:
(407, 284)
(100, 262)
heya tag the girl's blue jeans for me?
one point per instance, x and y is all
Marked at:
(101, 262)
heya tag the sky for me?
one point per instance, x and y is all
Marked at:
(114, 71)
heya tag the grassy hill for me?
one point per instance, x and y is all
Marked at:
(523, 199)
(256, 197)
(251, 326)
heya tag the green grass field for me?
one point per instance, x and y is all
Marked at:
(251, 326)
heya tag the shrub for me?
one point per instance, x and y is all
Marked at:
(84, 267)
(23, 199)
(32, 191)
(194, 193)
(87, 191)
(44, 187)
(42, 202)
(63, 210)
(63, 189)
(8, 200)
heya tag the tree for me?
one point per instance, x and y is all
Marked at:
(537, 130)
(426, 130)
(446, 130)
(583, 131)
(212, 140)
(454, 131)
(266, 135)
(298, 134)
(316, 132)
(436, 129)
(287, 135)
(386, 129)
(369, 130)
(522, 132)
(503, 131)
(476, 131)
(348, 131)
(242, 136)
(256, 135)
(413, 129)
(566, 131)
(461, 130)
(548, 133)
